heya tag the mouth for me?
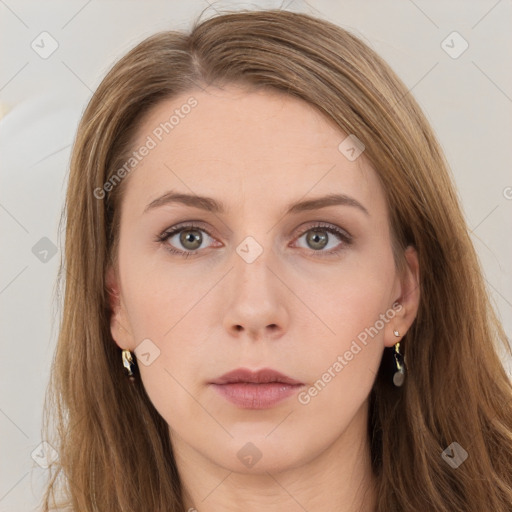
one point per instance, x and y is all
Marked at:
(261, 389)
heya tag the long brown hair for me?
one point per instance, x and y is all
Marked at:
(114, 448)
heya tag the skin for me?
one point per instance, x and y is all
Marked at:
(291, 309)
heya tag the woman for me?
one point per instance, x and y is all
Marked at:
(272, 301)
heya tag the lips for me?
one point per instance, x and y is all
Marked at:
(261, 389)
(264, 376)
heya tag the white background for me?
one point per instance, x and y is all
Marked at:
(468, 100)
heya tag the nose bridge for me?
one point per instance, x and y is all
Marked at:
(253, 260)
(256, 303)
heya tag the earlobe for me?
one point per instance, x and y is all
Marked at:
(408, 300)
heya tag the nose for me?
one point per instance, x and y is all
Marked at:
(257, 304)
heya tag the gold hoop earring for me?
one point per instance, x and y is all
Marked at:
(128, 364)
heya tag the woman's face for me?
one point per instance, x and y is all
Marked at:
(270, 275)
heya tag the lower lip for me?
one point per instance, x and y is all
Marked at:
(256, 396)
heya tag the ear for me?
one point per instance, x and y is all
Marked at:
(118, 317)
(407, 302)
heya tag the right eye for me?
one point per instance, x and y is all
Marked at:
(187, 239)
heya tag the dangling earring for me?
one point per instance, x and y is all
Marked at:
(128, 364)
(399, 375)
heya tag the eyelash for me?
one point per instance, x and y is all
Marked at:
(330, 228)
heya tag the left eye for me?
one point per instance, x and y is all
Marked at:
(321, 237)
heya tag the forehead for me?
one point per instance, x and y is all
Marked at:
(234, 144)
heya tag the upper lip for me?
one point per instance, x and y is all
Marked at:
(263, 376)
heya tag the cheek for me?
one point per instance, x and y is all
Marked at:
(354, 307)
(356, 293)
(176, 370)
(158, 293)
(170, 310)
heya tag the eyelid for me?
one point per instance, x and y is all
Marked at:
(184, 226)
(325, 225)
(188, 224)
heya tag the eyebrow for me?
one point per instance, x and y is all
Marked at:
(212, 205)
